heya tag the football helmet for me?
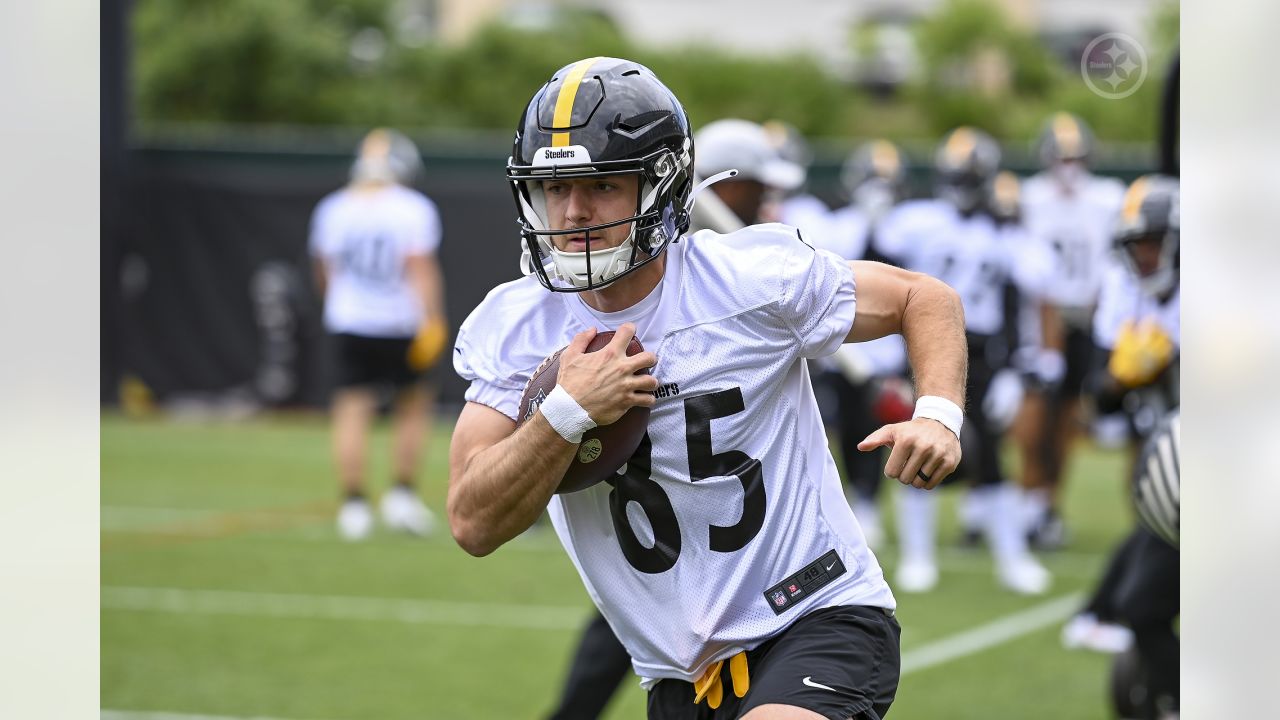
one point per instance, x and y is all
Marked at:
(966, 162)
(1146, 236)
(1006, 197)
(873, 176)
(1064, 138)
(386, 156)
(597, 117)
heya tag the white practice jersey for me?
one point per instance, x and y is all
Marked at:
(729, 522)
(364, 238)
(972, 254)
(807, 214)
(1123, 301)
(848, 234)
(1077, 227)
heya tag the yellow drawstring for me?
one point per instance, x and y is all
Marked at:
(709, 686)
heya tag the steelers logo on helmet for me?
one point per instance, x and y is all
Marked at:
(601, 117)
(1146, 237)
(965, 165)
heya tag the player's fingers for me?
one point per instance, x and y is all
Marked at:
(621, 337)
(578, 345)
(644, 398)
(641, 360)
(897, 461)
(911, 471)
(940, 466)
(879, 438)
(642, 383)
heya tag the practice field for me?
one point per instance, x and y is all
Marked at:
(226, 593)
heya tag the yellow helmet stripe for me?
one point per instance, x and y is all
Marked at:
(1133, 199)
(1067, 132)
(564, 101)
(884, 158)
(960, 144)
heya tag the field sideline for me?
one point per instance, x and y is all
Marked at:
(226, 593)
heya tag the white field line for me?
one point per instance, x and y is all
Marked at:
(997, 632)
(341, 607)
(152, 715)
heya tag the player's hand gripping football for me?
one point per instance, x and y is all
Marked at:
(605, 382)
(924, 452)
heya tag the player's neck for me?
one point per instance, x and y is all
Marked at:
(628, 290)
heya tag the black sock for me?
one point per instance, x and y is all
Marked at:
(405, 483)
(355, 495)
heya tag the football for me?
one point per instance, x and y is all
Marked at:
(604, 449)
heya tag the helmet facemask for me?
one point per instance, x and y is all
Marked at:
(658, 218)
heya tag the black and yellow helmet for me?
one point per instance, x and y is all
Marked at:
(966, 162)
(597, 117)
(1149, 216)
(1065, 137)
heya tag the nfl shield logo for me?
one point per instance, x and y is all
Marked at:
(779, 598)
(534, 403)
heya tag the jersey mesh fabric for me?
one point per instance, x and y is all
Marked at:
(748, 307)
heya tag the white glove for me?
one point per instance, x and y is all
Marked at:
(1004, 398)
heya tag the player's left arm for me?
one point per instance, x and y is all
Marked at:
(930, 317)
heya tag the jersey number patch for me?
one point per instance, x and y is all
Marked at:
(635, 484)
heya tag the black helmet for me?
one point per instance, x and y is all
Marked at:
(595, 117)
(1064, 138)
(873, 176)
(1150, 215)
(966, 162)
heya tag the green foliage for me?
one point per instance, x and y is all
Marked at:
(293, 62)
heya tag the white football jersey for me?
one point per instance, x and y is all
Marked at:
(364, 238)
(972, 254)
(1122, 300)
(1078, 227)
(729, 522)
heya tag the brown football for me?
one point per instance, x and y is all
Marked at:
(605, 448)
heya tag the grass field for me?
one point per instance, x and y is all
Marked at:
(227, 593)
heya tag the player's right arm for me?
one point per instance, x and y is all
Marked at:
(502, 476)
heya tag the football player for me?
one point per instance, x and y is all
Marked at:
(955, 238)
(1074, 212)
(722, 554)
(866, 380)
(374, 247)
(1137, 330)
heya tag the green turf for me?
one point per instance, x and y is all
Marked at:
(211, 509)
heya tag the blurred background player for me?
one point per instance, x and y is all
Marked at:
(864, 383)
(956, 238)
(374, 244)
(1137, 330)
(1073, 211)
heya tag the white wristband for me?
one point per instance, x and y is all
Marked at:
(566, 415)
(940, 409)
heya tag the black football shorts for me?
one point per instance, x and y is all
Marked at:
(373, 361)
(841, 662)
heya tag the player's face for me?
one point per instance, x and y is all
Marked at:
(1145, 252)
(582, 202)
(744, 197)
